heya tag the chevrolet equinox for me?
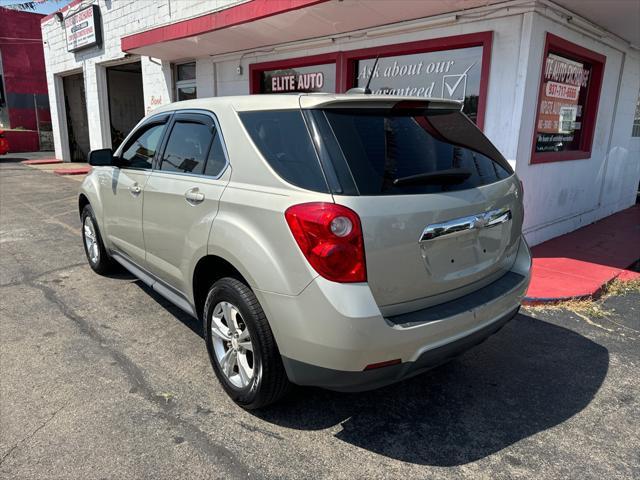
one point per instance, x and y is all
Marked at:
(343, 241)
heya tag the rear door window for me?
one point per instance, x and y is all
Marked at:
(282, 138)
(216, 160)
(187, 147)
(410, 151)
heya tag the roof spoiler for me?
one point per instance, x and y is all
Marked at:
(386, 101)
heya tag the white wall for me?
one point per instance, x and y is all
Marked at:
(119, 18)
(566, 195)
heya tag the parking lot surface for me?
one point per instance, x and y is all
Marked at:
(102, 378)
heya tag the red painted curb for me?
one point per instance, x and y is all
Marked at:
(44, 161)
(72, 171)
(579, 264)
(624, 276)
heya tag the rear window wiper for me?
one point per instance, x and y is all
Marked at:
(441, 177)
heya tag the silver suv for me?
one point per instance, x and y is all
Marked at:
(342, 241)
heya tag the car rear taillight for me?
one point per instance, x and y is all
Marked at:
(330, 237)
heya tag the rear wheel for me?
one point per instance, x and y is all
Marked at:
(242, 350)
(99, 259)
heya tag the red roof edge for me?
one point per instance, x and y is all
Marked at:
(229, 17)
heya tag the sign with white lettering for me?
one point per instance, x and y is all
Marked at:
(83, 29)
(452, 74)
(562, 100)
(315, 78)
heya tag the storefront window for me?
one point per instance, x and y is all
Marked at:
(315, 78)
(186, 81)
(452, 74)
(567, 102)
(451, 67)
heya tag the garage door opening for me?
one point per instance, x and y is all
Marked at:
(77, 123)
(126, 100)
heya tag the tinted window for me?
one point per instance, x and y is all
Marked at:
(187, 148)
(216, 159)
(141, 149)
(381, 147)
(283, 139)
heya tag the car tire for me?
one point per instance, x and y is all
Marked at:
(242, 349)
(99, 260)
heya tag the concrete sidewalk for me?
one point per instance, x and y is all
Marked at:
(580, 263)
(46, 162)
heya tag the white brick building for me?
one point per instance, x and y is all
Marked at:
(554, 84)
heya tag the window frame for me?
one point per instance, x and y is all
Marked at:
(560, 46)
(184, 83)
(159, 119)
(175, 117)
(345, 62)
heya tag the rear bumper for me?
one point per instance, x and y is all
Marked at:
(329, 333)
(345, 381)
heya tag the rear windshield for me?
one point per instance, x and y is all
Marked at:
(408, 151)
(368, 151)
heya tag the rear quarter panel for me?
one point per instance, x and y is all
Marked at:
(250, 231)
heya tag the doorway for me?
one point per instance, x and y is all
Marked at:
(126, 99)
(77, 123)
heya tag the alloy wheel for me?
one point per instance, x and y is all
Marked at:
(91, 240)
(232, 344)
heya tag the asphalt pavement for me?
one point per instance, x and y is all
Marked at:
(100, 378)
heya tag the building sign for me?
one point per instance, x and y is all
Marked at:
(570, 83)
(83, 29)
(452, 74)
(315, 78)
(562, 101)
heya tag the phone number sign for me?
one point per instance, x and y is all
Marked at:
(83, 29)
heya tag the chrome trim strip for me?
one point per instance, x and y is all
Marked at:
(473, 222)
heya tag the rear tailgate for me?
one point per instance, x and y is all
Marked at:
(460, 249)
(440, 207)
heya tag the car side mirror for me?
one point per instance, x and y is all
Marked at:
(102, 158)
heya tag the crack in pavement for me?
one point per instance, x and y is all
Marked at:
(216, 453)
(30, 436)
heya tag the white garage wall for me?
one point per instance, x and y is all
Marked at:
(563, 196)
(119, 18)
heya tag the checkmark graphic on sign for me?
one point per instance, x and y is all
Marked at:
(452, 82)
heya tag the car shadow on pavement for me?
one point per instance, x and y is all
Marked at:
(529, 377)
(194, 325)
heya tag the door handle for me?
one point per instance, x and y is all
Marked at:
(135, 189)
(194, 196)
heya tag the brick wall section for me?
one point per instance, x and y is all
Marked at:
(119, 18)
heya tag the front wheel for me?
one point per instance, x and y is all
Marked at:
(241, 346)
(99, 259)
